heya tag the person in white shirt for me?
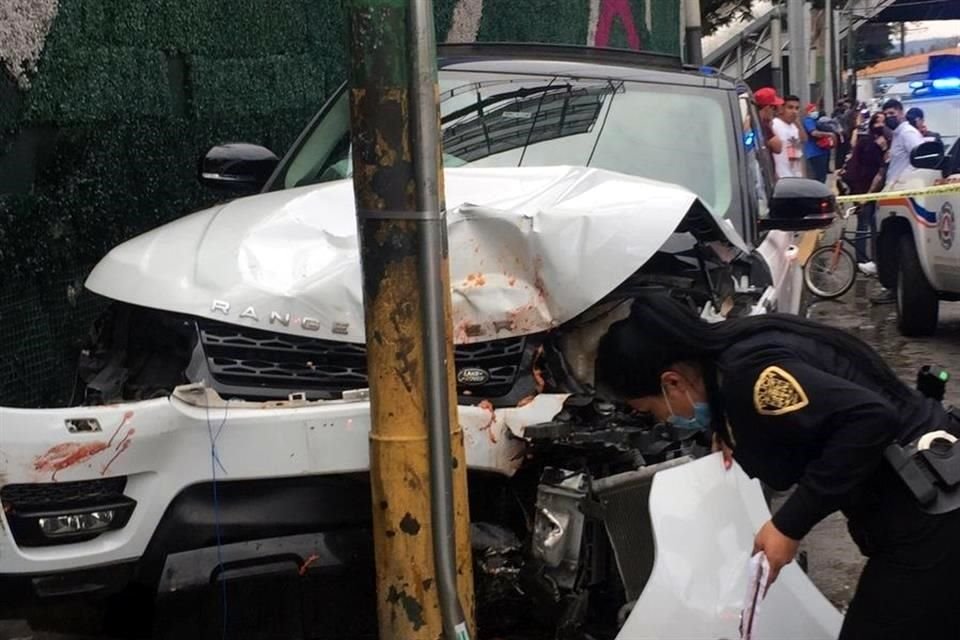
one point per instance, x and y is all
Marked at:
(789, 162)
(906, 138)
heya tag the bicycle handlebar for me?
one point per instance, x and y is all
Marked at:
(849, 211)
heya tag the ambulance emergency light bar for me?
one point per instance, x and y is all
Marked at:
(938, 85)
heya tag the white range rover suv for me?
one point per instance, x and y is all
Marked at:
(222, 439)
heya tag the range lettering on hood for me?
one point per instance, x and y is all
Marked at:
(530, 249)
(277, 318)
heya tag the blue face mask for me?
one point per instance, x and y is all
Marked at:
(700, 420)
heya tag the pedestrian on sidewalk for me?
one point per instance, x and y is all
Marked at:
(817, 147)
(768, 102)
(915, 117)
(864, 173)
(906, 138)
(789, 160)
(846, 116)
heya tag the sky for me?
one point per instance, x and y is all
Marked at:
(933, 29)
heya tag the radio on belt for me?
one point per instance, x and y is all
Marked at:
(932, 381)
(930, 466)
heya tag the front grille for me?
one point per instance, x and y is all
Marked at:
(259, 363)
(240, 357)
(501, 360)
(20, 497)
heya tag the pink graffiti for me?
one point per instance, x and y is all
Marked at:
(611, 9)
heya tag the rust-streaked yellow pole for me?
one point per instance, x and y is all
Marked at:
(425, 591)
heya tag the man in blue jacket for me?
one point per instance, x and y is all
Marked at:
(818, 157)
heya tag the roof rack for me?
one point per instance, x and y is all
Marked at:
(562, 52)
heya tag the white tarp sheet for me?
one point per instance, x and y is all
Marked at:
(704, 519)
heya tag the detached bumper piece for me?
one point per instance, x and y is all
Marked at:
(65, 512)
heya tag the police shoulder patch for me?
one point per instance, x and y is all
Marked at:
(776, 392)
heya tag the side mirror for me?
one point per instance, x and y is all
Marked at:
(800, 204)
(927, 155)
(237, 168)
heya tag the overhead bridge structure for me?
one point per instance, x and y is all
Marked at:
(750, 51)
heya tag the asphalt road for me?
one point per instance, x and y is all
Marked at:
(19, 630)
(834, 563)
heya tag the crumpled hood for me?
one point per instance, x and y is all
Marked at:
(530, 248)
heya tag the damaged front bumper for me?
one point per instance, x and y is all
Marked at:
(167, 451)
(156, 449)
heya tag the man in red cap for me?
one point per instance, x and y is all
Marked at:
(768, 102)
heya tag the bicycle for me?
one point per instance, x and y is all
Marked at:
(831, 270)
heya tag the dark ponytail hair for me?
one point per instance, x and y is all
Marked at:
(661, 332)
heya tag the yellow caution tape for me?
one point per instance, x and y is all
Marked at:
(908, 193)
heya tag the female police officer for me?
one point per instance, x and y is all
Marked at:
(799, 403)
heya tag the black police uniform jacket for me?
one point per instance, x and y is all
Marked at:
(796, 411)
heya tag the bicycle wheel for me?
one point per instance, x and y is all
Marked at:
(829, 274)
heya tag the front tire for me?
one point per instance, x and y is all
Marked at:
(918, 307)
(828, 273)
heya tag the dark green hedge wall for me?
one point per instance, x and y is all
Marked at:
(129, 93)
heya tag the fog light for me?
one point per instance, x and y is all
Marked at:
(74, 523)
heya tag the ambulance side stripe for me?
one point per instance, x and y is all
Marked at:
(923, 216)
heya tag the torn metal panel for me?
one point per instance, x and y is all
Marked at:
(530, 248)
(497, 434)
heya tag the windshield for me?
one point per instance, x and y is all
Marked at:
(670, 133)
(940, 116)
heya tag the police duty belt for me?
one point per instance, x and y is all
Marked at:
(906, 193)
(930, 467)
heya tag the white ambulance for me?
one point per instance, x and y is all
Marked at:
(918, 250)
